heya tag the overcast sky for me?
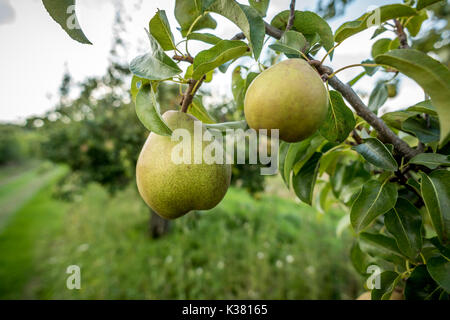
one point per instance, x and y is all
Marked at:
(34, 49)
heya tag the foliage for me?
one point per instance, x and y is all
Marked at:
(398, 204)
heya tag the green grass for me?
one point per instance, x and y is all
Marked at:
(35, 221)
(271, 248)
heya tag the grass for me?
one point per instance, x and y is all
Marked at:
(271, 248)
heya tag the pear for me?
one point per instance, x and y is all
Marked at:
(172, 189)
(289, 96)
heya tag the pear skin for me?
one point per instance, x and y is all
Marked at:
(289, 96)
(171, 189)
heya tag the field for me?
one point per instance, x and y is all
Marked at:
(246, 248)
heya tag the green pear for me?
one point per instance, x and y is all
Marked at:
(289, 96)
(172, 189)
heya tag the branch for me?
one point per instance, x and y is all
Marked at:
(290, 23)
(183, 58)
(400, 31)
(190, 93)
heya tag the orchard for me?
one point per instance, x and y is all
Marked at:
(389, 170)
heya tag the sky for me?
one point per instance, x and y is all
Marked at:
(35, 51)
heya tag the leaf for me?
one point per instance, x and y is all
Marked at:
(404, 222)
(205, 37)
(415, 24)
(375, 152)
(367, 20)
(340, 120)
(198, 110)
(260, 5)
(431, 160)
(430, 74)
(309, 24)
(160, 30)
(359, 258)
(378, 31)
(147, 110)
(375, 199)
(227, 125)
(155, 65)
(439, 269)
(378, 97)
(246, 18)
(214, 57)
(385, 243)
(291, 43)
(63, 12)
(282, 152)
(425, 3)
(435, 189)
(352, 82)
(347, 179)
(316, 141)
(388, 282)
(423, 130)
(424, 107)
(294, 154)
(395, 119)
(370, 71)
(136, 84)
(187, 11)
(305, 180)
(380, 46)
(420, 285)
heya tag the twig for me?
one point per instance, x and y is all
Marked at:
(183, 58)
(357, 138)
(290, 23)
(400, 31)
(190, 93)
(239, 36)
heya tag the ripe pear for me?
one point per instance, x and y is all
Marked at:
(396, 295)
(172, 189)
(289, 96)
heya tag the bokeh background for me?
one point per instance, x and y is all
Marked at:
(69, 140)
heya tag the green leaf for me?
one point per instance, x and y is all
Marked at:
(424, 107)
(431, 160)
(380, 46)
(420, 285)
(282, 152)
(260, 5)
(370, 71)
(340, 120)
(378, 97)
(415, 24)
(367, 20)
(359, 258)
(375, 152)
(160, 30)
(388, 282)
(439, 269)
(305, 180)
(155, 65)
(198, 110)
(316, 140)
(395, 119)
(294, 153)
(309, 24)
(425, 3)
(292, 43)
(214, 57)
(63, 12)
(347, 179)
(147, 110)
(227, 125)
(136, 84)
(435, 189)
(425, 131)
(246, 18)
(186, 13)
(378, 31)
(375, 199)
(404, 222)
(205, 37)
(385, 243)
(430, 74)
(352, 82)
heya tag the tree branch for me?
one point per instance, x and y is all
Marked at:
(400, 31)
(190, 93)
(290, 23)
(183, 58)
